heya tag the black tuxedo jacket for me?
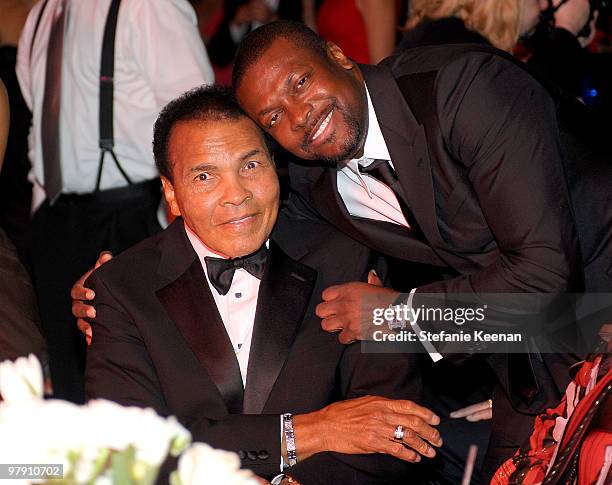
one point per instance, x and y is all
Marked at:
(160, 342)
(473, 139)
(483, 176)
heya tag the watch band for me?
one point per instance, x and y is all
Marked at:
(289, 439)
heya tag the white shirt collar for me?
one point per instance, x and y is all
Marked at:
(374, 148)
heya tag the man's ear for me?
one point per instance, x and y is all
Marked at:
(169, 196)
(336, 55)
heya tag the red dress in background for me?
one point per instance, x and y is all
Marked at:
(340, 22)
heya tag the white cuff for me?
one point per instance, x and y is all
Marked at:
(431, 350)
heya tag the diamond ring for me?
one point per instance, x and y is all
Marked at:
(398, 434)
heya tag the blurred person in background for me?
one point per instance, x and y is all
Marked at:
(15, 189)
(20, 332)
(242, 16)
(86, 201)
(364, 29)
(557, 31)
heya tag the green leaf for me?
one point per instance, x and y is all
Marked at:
(121, 466)
(100, 465)
(175, 478)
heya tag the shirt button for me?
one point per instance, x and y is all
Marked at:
(238, 295)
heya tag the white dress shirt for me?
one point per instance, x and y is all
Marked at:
(158, 55)
(362, 194)
(365, 196)
(236, 308)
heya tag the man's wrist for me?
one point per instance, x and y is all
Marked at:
(289, 441)
(308, 438)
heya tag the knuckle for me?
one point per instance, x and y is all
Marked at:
(396, 449)
(370, 439)
(413, 422)
(411, 456)
(420, 446)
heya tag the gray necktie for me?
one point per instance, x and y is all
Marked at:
(50, 131)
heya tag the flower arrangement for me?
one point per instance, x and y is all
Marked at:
(102, 442)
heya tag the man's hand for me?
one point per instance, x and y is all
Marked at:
(345, 307)
(80, 295)
(572, 15)
(476, 412)
(366, 425)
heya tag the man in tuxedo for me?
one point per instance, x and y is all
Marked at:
(442, 156)
(212, 321)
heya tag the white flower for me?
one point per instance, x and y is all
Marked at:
(33, 430)
(116, 427)
(202, 465)
(21, 381)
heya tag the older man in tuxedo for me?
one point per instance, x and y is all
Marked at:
(212, 320)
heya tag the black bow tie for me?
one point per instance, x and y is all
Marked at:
(221, 271)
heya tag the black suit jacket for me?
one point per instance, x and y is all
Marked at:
(160, 342)
(483, 178)
(587, 158)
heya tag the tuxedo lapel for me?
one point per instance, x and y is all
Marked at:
(407, 144)
(191, 306)
(284, 294)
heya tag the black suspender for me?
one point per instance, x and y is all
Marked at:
(107, 68)
(107, 71)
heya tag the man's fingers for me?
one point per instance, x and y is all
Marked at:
(398, 450)
(347, 337)
(373, 278)
(414, 441)
(331, 324)
(85, 328)
(414, 427)
(409, 407)
(105, 257)
(326, 309)
(83, 310)
(483, 415)
(80, 292)
(474, 408)
(83, 325)
(331, 293)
